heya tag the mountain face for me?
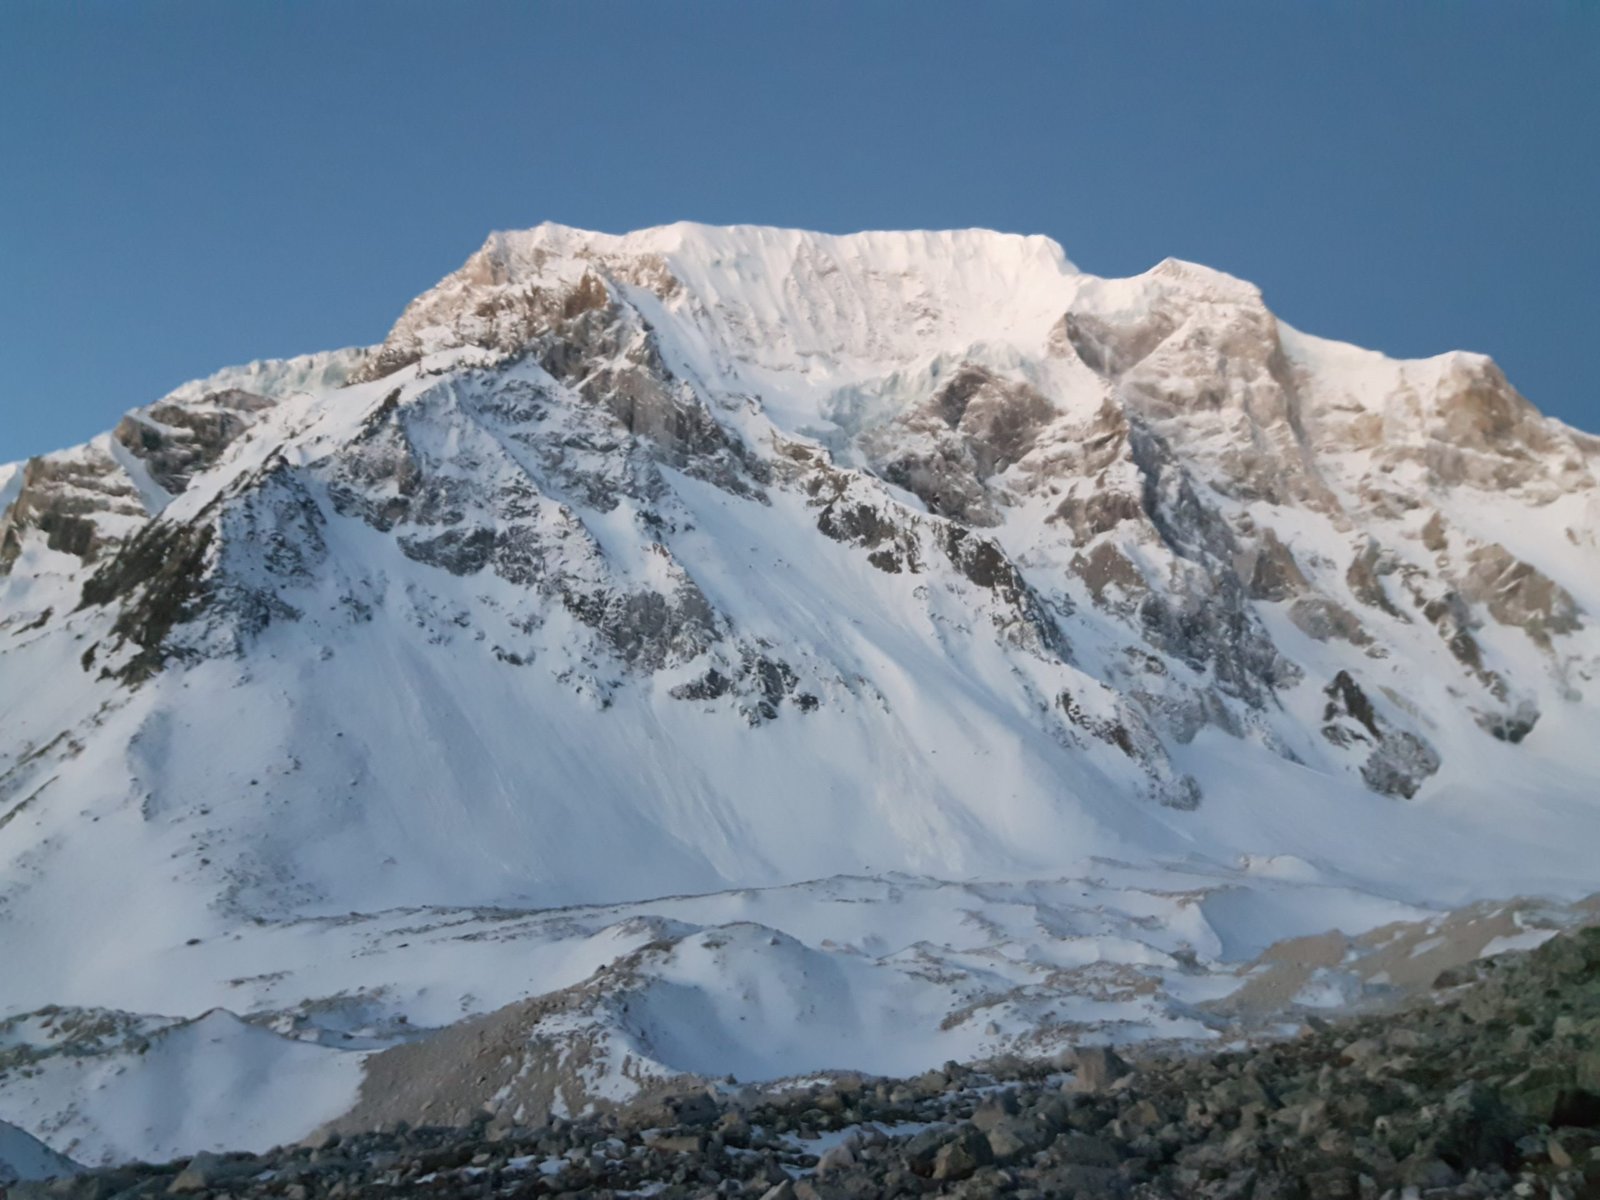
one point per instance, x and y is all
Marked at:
(703, 559)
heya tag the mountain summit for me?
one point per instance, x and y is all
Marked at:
(698, 559)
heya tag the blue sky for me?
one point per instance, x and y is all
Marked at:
(187, 185)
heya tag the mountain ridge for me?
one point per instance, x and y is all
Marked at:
(719, 559)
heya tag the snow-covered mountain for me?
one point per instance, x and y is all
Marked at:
(696, 560)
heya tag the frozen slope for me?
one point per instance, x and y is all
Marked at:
(694, 560)
(23, 1156)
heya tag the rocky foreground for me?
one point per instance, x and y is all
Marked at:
(1488, 1087)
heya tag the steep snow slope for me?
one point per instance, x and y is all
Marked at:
(23, 1156)
(703, 559)
(209, 1083)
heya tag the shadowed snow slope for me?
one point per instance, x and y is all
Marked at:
(23, 1156)
(694, 560)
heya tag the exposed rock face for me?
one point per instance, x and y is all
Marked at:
(86, 501)
(1196, 354)
(174, 441)
(1399, 761)
(1516, 593)
(158, 581)
(1366, 573)
(1481, 433)
(75, 505)
(972, 426)
(507, 296)
(1275, 575)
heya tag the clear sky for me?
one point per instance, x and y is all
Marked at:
(185, 185)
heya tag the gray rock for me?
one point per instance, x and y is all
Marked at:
(1098, 1067)
(1083, 1150)
(995, 1108)
(321, 1139)
(1014, 1138)
(204, 1171)
(963, 1154)
(1423, 1171)
(1360, 1050)
(683, 1143)
(919, 1150)
(835, 1159)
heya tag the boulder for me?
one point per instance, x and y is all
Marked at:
(1098, 1067)
(963, 1154)
(1014, 1138)
(995, 1108)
